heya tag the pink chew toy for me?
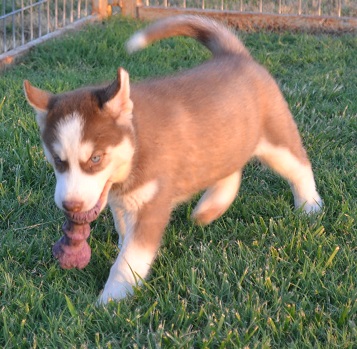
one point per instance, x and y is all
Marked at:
(72, 249)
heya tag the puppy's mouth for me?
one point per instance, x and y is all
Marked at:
(93, 213)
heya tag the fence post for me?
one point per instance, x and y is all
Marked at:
(130, 8)
(101, 8)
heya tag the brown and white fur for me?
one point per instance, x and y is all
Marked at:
(145, 148)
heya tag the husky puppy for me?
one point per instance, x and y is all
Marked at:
(144, 148)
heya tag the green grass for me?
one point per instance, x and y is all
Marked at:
(262, 276)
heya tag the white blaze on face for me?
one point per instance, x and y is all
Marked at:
(74, 184)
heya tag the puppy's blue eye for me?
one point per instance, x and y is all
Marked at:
(60, 165)
(96, 159)
(57, 160)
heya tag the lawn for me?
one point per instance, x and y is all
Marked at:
(262, 276)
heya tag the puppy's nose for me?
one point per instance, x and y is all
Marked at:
(72, 206)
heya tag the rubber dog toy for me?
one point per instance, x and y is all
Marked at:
(72, 249)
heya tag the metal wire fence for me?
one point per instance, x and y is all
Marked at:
(298, 7)
(23, 21)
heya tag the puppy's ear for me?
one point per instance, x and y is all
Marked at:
(118, 101)
(39, 100)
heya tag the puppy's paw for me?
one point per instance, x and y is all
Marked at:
(311, 207)
(115, 291)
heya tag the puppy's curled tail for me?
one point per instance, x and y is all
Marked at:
(215, 36)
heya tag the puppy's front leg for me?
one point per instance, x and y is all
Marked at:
(141, 242)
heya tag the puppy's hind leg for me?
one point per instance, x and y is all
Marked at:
(297, 170)
(217, 198)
